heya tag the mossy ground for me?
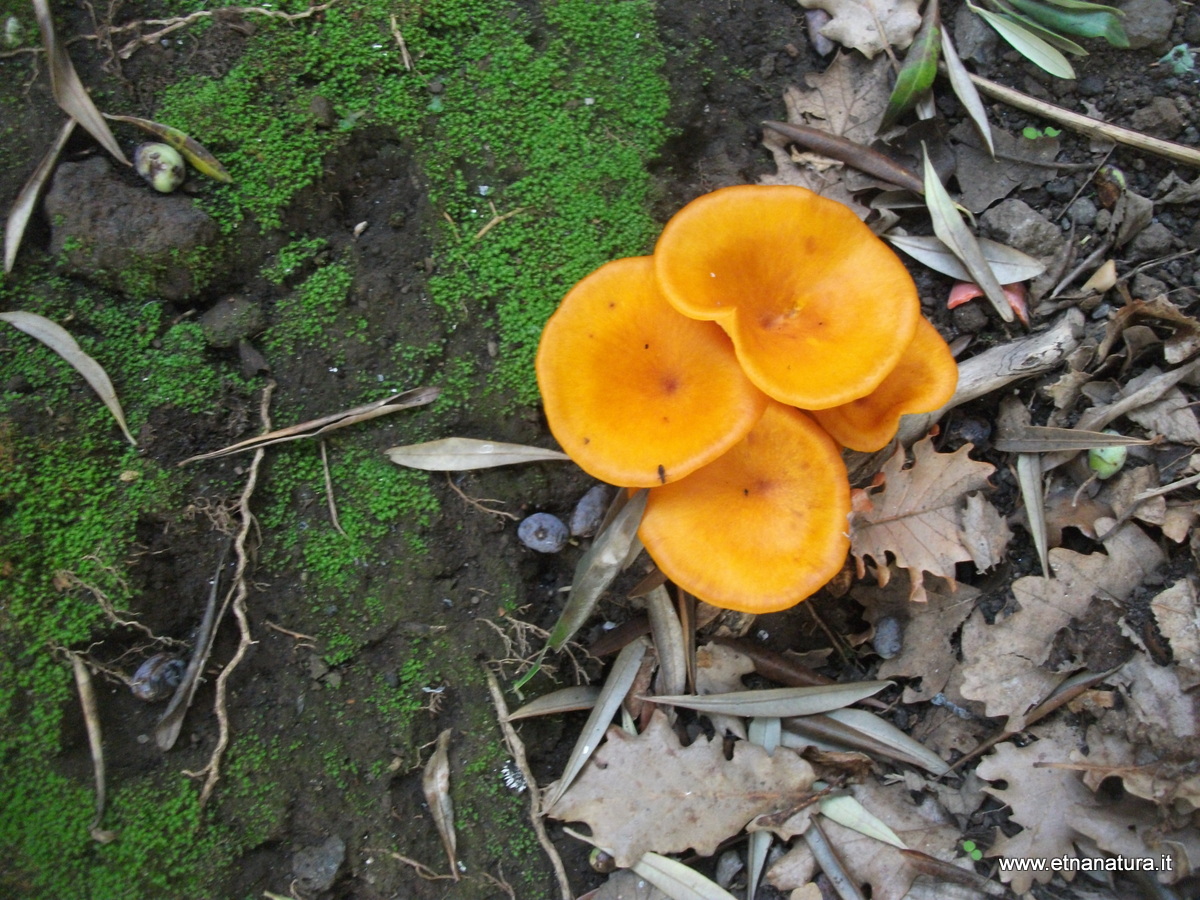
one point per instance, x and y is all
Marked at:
(539, 122)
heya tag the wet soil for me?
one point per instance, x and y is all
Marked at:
(728, 64)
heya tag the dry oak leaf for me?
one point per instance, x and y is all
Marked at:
(889, 872)
(649, 793)
(869, 25)
(918, 515)
(1043, 800)
(1003, 661)
(1178, 617)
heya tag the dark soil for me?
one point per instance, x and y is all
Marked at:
(729, 62)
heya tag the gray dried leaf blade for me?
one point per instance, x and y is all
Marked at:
(60, 341)
(436, 784)
(954, 233)
(1009, 264)
(648, 793)
(964, 89)
(779, 702)
(26, 202)
(569, 699)
(456, 454)
(69, 92)
(678, 881)
(889, 735)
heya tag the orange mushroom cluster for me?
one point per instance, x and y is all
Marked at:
(769, 329)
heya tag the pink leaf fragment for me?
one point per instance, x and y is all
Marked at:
(1014, 293)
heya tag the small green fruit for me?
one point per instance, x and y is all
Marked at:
(161, 165)
(1106, 462)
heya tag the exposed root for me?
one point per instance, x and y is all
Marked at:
(520, 654)
(478, 503)
(239, 590)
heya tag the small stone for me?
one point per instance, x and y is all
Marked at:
(322, 111)
(1160, 117)
(1083, 212)
(889, 637)
(316, 868)
(543, 532)
(589, 511)
(231, 321)
(1091, 86)
(1152, 241)
(1148, 22)
(1145, 287)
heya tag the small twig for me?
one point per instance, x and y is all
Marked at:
(408, 63)
(497, 219)
(296, 635)
(329, 501)
(517, 749)
(422, 870)
(478, 504)
(1180, 153)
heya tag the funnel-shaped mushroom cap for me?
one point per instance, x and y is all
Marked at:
(923, 380)
(761, 528)
(634, 392)
(819, 308)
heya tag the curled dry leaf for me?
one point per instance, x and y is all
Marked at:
(869, 25)
(436, 784)
(60, 341)
(26, 202)
(918, 516)
(649, 793)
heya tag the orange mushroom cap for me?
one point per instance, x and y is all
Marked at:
(635, 393)
(923, 380)
(761, 528)
(819, 309)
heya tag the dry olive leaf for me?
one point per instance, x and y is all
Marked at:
(869, 25)
(1003, 662)
(60, 341)
(26, 202)
(193, 151)
(456, 454)
(649, 793)
(918, 515)
(436, 784)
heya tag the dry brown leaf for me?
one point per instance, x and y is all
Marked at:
(1178, 521)
(888, 871)
(720, 668)
(846, 100)
(1172, 416)
(1165, 718)
(869, 25)
(1066, 508)
(1122, 491)
(650, 793)
(1178, 619)
(984, 179)
(1169, 784)
(435, 782)
(625, 884)
(1003, 662)
(985, 531)
(918, 515)
(1041, 799)
(926, 651)
(1184, 339)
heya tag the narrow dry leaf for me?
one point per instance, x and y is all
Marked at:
(954, 233)
(571, 699)
(887, 734)
(616, 686)
(436, 784)
(60, 341)
(1003, 662)
(766, 732)
(1050, 439)
(26, 202)
(91, 721)
(649, 793)
(1029, 477)
(964, 89)
(1028, 44)
(830, 863)
(847, 811)
(596, 569)
(987, 533)
(778, 702)
(193, 151)
(677, 881)
(69, 92)
(827, 733)
(917, 517)
(457, 454)
(317, 427)
(1009, 264)
(667, 634)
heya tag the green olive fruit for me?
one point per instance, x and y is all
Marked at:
(161, 165)
(1106, 462)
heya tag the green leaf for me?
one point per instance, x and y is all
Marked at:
(1028, 44)
(1051, 37)
(919, 69)
(1089, 20)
